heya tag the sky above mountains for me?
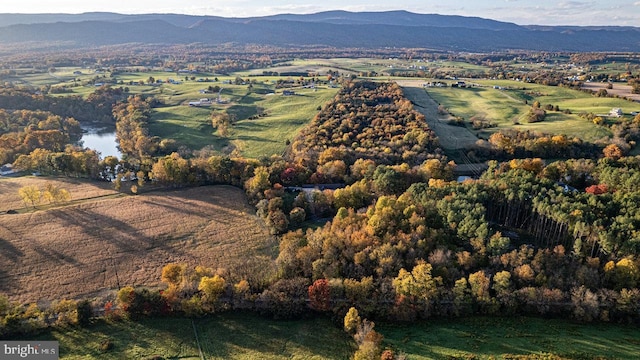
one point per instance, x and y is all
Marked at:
(523, 12)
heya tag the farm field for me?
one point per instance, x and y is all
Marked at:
(507, 105)
(618, 89)
(108, 242)
(494, 338)
(224, 336)
(252, 136)
(286, 115)
(79, 190)
(348, 66)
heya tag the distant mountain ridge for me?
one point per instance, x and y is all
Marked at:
(329, 28)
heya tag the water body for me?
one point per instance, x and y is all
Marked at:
(102, 140)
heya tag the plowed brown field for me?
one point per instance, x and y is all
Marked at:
(92, 247)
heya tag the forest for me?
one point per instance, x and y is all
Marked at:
(395, 237)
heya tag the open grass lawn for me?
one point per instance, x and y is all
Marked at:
(264, 136)
(249, 336)
(91, 247)
(190, 126)
(286, 115)
(488, 338)
(225, 336)
(503, 107)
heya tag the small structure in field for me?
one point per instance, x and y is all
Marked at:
(201, 102)
(6, 169)
(615, 112)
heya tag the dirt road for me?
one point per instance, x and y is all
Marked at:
(450, 137)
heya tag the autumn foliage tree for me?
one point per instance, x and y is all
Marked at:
(320, 295)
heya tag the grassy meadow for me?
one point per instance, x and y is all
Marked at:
(225, 336)
(249, 336)
(252, 137)
(498, 338)
(507, 105)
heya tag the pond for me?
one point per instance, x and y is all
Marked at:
(102, 140)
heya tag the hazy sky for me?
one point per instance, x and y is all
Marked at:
(542, 12)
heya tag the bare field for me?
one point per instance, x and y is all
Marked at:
(618, 89)
(78, 189)
(84, 250)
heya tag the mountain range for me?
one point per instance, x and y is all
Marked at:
(399, 29)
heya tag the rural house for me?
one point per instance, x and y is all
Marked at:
(615, 112)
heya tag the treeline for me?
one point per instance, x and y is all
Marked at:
(512, 143)
(95, 109)
(72, 161)
(132, 118)
(23, 131)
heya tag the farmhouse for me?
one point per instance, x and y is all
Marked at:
(288, 93)
(615, 112)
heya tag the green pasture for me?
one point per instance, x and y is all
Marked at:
(345, 66)
(507, 105)
(39, 77)
(320, 66)
(261, 136)
(500, 338)
(189, 126)
(248, 336)
(285, 116)
(226, 336)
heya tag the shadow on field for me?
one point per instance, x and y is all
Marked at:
(242, 112)
(251, 336)
(249, 126)
(5, 280)
(255, 138)
(8, 251)
(119, 233)
(497, 337)
(56, 256)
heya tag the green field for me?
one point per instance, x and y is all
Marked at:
(226, 336)
(506, 105)
(263, 136)
(493, 338)
(248, 336)
(286, 115)
(191, 126)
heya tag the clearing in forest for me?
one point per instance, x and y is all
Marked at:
(451, 137)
